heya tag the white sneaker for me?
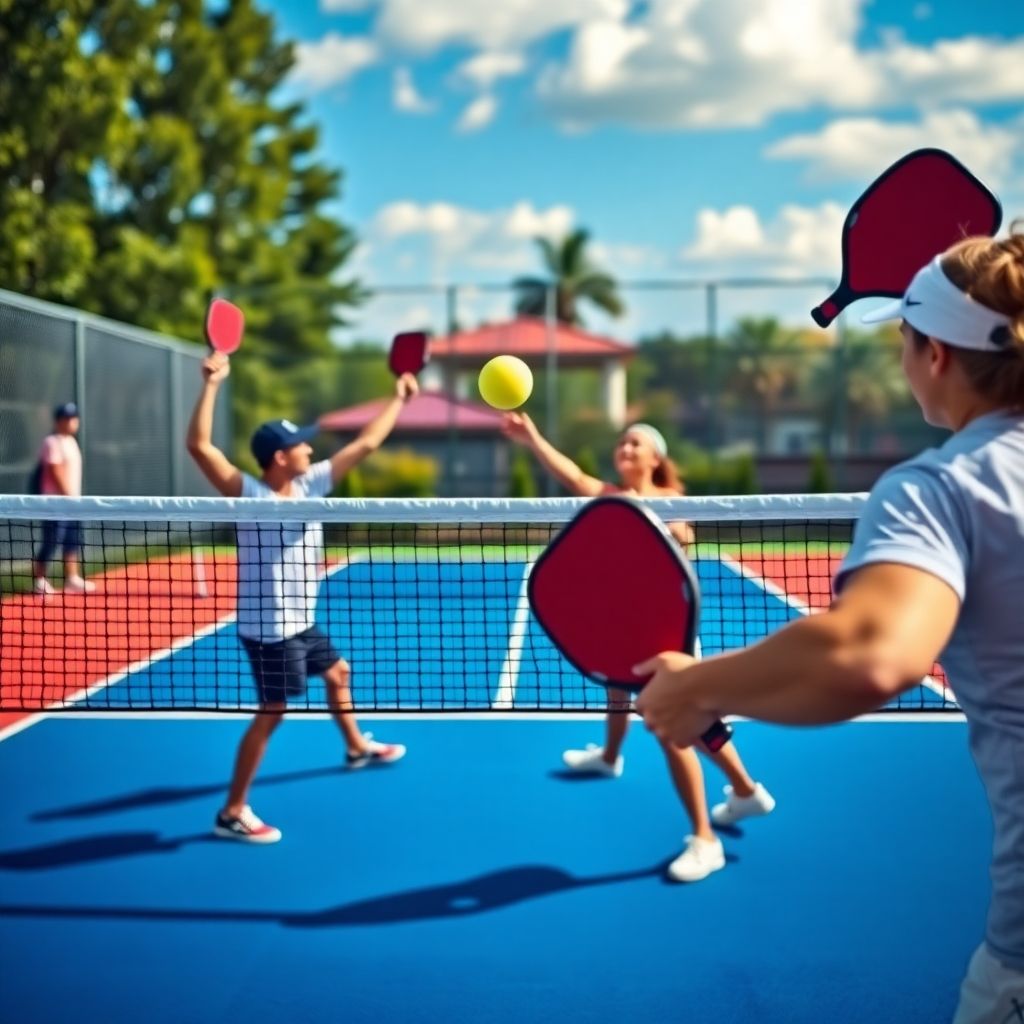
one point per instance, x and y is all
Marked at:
(736, 808)
(247, 827)
(42, 586)
(591, 762)
(76, 585)
(698, 860)
(375, 753)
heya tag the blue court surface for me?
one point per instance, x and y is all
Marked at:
(475, 881)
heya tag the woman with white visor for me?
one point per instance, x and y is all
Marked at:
(935, 572)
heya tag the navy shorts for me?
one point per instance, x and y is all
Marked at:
(281, 669)
(63, 534)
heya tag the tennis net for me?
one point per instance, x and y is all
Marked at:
(425, 599)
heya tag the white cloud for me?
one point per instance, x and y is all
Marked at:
(859, 148)
(723, 63)
(405, 96)
(456, 240)
(799, 241)
(478, 114)
(332, 60)
(922, 12)
(485, 69)
(428, 25)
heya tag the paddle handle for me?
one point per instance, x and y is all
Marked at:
(716, 737)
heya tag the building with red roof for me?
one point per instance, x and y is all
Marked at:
(464, 438)
(541, 345)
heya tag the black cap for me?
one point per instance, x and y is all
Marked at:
(66, 411)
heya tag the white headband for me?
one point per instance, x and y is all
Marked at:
(653, 434)
(936, 307)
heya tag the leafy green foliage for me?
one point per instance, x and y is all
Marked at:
(576, 279)
(148, 162)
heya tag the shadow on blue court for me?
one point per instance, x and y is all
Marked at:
(471, 882)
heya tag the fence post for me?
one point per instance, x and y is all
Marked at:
(452, 300)
(842, 441)
(551, 367)
(176, 431)
(79, 386)
(711, 326)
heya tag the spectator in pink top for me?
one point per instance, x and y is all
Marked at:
(60, 472)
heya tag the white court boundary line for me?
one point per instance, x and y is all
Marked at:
(509, 675)
(928, 682)
(33, 718)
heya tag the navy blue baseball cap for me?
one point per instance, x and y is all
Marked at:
(277, 436)
(66, 411)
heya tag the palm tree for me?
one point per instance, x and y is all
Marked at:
(768, 364)
(864, 379)
(574, 277)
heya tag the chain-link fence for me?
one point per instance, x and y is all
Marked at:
(135, 391)
(752, 395)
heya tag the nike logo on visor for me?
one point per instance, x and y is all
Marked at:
(911, 302)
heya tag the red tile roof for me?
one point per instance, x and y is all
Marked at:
(527, 337)
(428, 412)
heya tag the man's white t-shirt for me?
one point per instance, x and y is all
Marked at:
(279, 564)
(61, 450)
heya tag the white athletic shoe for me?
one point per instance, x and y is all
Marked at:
(591, 762)
(76, 585)
(42, 586)
(736, 808)
(375, 753)
(699, 859)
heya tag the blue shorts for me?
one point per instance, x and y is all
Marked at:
(62, 534)
(281, 669)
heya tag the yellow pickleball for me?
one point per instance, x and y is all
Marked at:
(505, 382)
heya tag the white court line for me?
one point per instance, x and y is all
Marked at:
(509, 675)
(928, 682)
(137, 666)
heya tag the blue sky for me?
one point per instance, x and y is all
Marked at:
(694, 138)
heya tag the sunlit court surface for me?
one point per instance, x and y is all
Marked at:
(477, 879)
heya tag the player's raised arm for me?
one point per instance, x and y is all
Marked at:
(216, 466)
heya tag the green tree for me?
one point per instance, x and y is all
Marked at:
(860, 384)
(521, 481)
(148, 161)
(767, 364)
(575, 277)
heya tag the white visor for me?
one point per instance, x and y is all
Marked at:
(936, 307)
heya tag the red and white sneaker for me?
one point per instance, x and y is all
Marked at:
(246, 826)
(375, 753)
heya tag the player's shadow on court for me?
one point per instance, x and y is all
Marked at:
(478, 895)
(160, 795)
(89, 849)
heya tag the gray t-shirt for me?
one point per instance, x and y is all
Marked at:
(279, 564)
(957, 512)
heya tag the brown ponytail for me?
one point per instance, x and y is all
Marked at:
(991, 271)
(666, 474)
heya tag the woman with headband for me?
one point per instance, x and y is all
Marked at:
(644, 468)
(935, 572)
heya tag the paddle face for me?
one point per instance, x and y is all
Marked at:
(614, 589)
(225, 325)
(409, 353)
(909, 214)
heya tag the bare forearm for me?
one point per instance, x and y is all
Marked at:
(375, 433)
(558, 465)
(200, 426)
(808, 673)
